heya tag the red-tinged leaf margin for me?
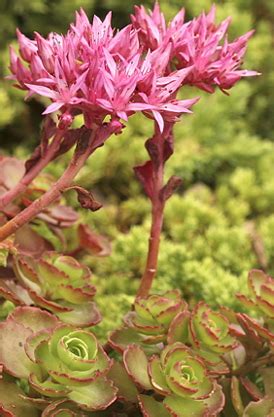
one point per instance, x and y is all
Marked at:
(136, 364)
(152, 408)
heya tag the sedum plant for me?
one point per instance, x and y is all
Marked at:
(170, 358)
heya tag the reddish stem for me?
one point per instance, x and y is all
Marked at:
(24, 182)
(83, 150)
(157, 216)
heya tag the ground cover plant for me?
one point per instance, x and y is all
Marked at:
(172, 356)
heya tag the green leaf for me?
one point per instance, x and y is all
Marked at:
(83, 315)
(121, 338)
(47, 387)
(157, 376)
(43, 230)
(12, 404)
(185, 407)
(268, 378)
(4, 252)
(120, 378)
(136, 364)
(236, 396)
(178, 329)
(151, 407)
(261, 408)
(97, 395)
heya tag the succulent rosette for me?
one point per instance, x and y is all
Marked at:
(209, 330)
(261, 291)
(58, 283)
(180, 376)
(70, 363)
(149, 322)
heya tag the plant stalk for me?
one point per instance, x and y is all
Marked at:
(24, 182)
(83, 150)
(157, 217)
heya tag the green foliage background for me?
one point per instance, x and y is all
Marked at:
(221, 222)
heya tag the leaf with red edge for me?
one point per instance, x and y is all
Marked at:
(251, 325)
(144, 173)
(34, 318)
(268, 378)
(62, 216)
(39, 403)
(136, 364)
(261, 408)
(127, 391)
(152, 408)
(251, 388)
(12, 354)
(97, 395)
(236, 395)
(15, 293)
(178, 329)
(63, 408)
(246, 301)
(11, 404)
(255, 279)
(157, 376)
(48, 388)
(121, 338)
(93, 242)
(186, 407)
(47, 304)
(82, 315)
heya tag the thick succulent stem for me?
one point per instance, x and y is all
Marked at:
(83, 150)
(24, 182)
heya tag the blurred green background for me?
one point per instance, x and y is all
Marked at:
(221, 222)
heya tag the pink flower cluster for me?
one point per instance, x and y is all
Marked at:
(199, 43)
(96, 71)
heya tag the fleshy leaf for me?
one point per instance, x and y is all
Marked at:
(152, 408)
(126, 389)
(185, 407)
(236, 396)
(136, 364)
(93, 242)
(262, 408)
(62, 408)
(12, 354)
(178, 329)
(97, 395)
(11, 403)
(157, 377)
(82, 315)
(48, 388)
(34, 318)
(121, 338)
